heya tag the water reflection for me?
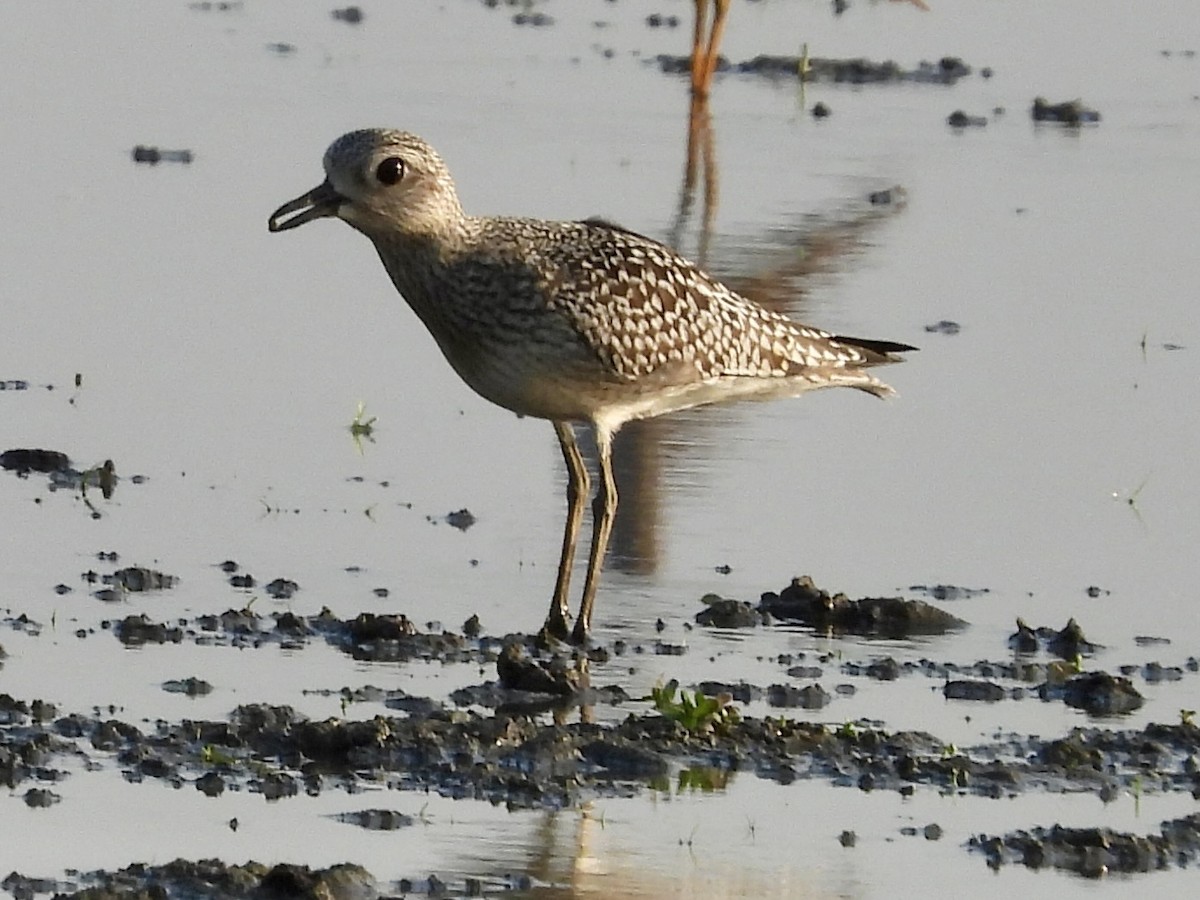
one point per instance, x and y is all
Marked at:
(699, 153)
(593, 851)
(781, 260)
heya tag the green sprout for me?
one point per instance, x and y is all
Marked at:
(696, 712)
(803, 71)
(214, 756)
(102, 476)
(361, 426)
(1130, 499)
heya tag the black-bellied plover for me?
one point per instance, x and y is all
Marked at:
(575, 322)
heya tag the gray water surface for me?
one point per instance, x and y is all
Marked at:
(1047, 447)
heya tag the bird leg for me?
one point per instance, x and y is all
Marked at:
(578, 487)
(705, 64)
(698, 26)
(720, 11)
(604, 507)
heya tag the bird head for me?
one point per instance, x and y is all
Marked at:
(382, 182)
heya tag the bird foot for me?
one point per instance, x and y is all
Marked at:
(554, 631)
(579, 634)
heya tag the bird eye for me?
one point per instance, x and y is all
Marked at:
(391, 170)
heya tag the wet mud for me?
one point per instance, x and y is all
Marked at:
(530, 739)
(858, 70)
(62, 475)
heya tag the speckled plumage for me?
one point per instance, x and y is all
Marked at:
(569, 321)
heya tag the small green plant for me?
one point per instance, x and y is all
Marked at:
(1130, 499)
(803, 72)
(102, 476)
(361, 426)
(780, 723)
(211, 755)
(847, 731)
(695, 712)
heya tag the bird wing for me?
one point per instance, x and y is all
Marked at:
(643, 309)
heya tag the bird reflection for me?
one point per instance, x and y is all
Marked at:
(638, 449)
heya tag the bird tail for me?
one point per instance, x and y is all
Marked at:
(877, 353)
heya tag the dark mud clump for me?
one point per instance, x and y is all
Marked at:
(533, 19)
(1095, 852)
(281, 589)
(1067, 643)
(960, 119)
(857, 70)
(1101, 694)
(137, 579)
(974, 690)
(893, 196)
(1069, 112)
(802, 601)
(944, 326)
(351, 15)
(786, 696)
(190, 686)
(58, 466)
(208, 878)
(155, 155)
(462, 519)
(136, 630)
(25, 461)
(131, 580)
(947, 591)
(723, 613)
(377, 819)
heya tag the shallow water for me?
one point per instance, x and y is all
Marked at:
(1046, 448)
